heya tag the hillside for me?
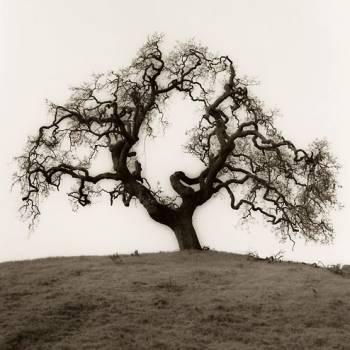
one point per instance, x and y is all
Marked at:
(182, 300)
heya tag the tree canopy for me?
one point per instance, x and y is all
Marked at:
(241, 151)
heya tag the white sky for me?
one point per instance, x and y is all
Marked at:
(298, 50)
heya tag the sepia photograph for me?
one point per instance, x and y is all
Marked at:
(174, 175)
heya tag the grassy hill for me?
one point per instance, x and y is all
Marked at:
(182, 300)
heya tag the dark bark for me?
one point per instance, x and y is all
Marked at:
(179, 220)
(185, 233)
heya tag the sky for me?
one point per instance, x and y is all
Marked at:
(298, 50)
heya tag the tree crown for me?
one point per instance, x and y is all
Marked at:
(236, 140)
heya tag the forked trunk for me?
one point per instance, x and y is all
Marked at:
(180, 221)
(185, 233)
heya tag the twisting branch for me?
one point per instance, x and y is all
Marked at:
(241, 150)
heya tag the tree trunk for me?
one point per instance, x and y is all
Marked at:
(185, 233)
(179, 220)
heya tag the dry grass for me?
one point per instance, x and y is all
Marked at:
(185, 300)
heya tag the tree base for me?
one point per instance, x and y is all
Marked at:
(186, 234)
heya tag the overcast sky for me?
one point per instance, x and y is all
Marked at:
(298, 50)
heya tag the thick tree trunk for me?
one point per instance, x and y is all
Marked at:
(179, 220)
(185, 233)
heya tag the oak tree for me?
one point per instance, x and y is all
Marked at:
(241, 151)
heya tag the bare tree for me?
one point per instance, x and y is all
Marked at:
(242, 152)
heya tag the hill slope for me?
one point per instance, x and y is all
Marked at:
(183, 300)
